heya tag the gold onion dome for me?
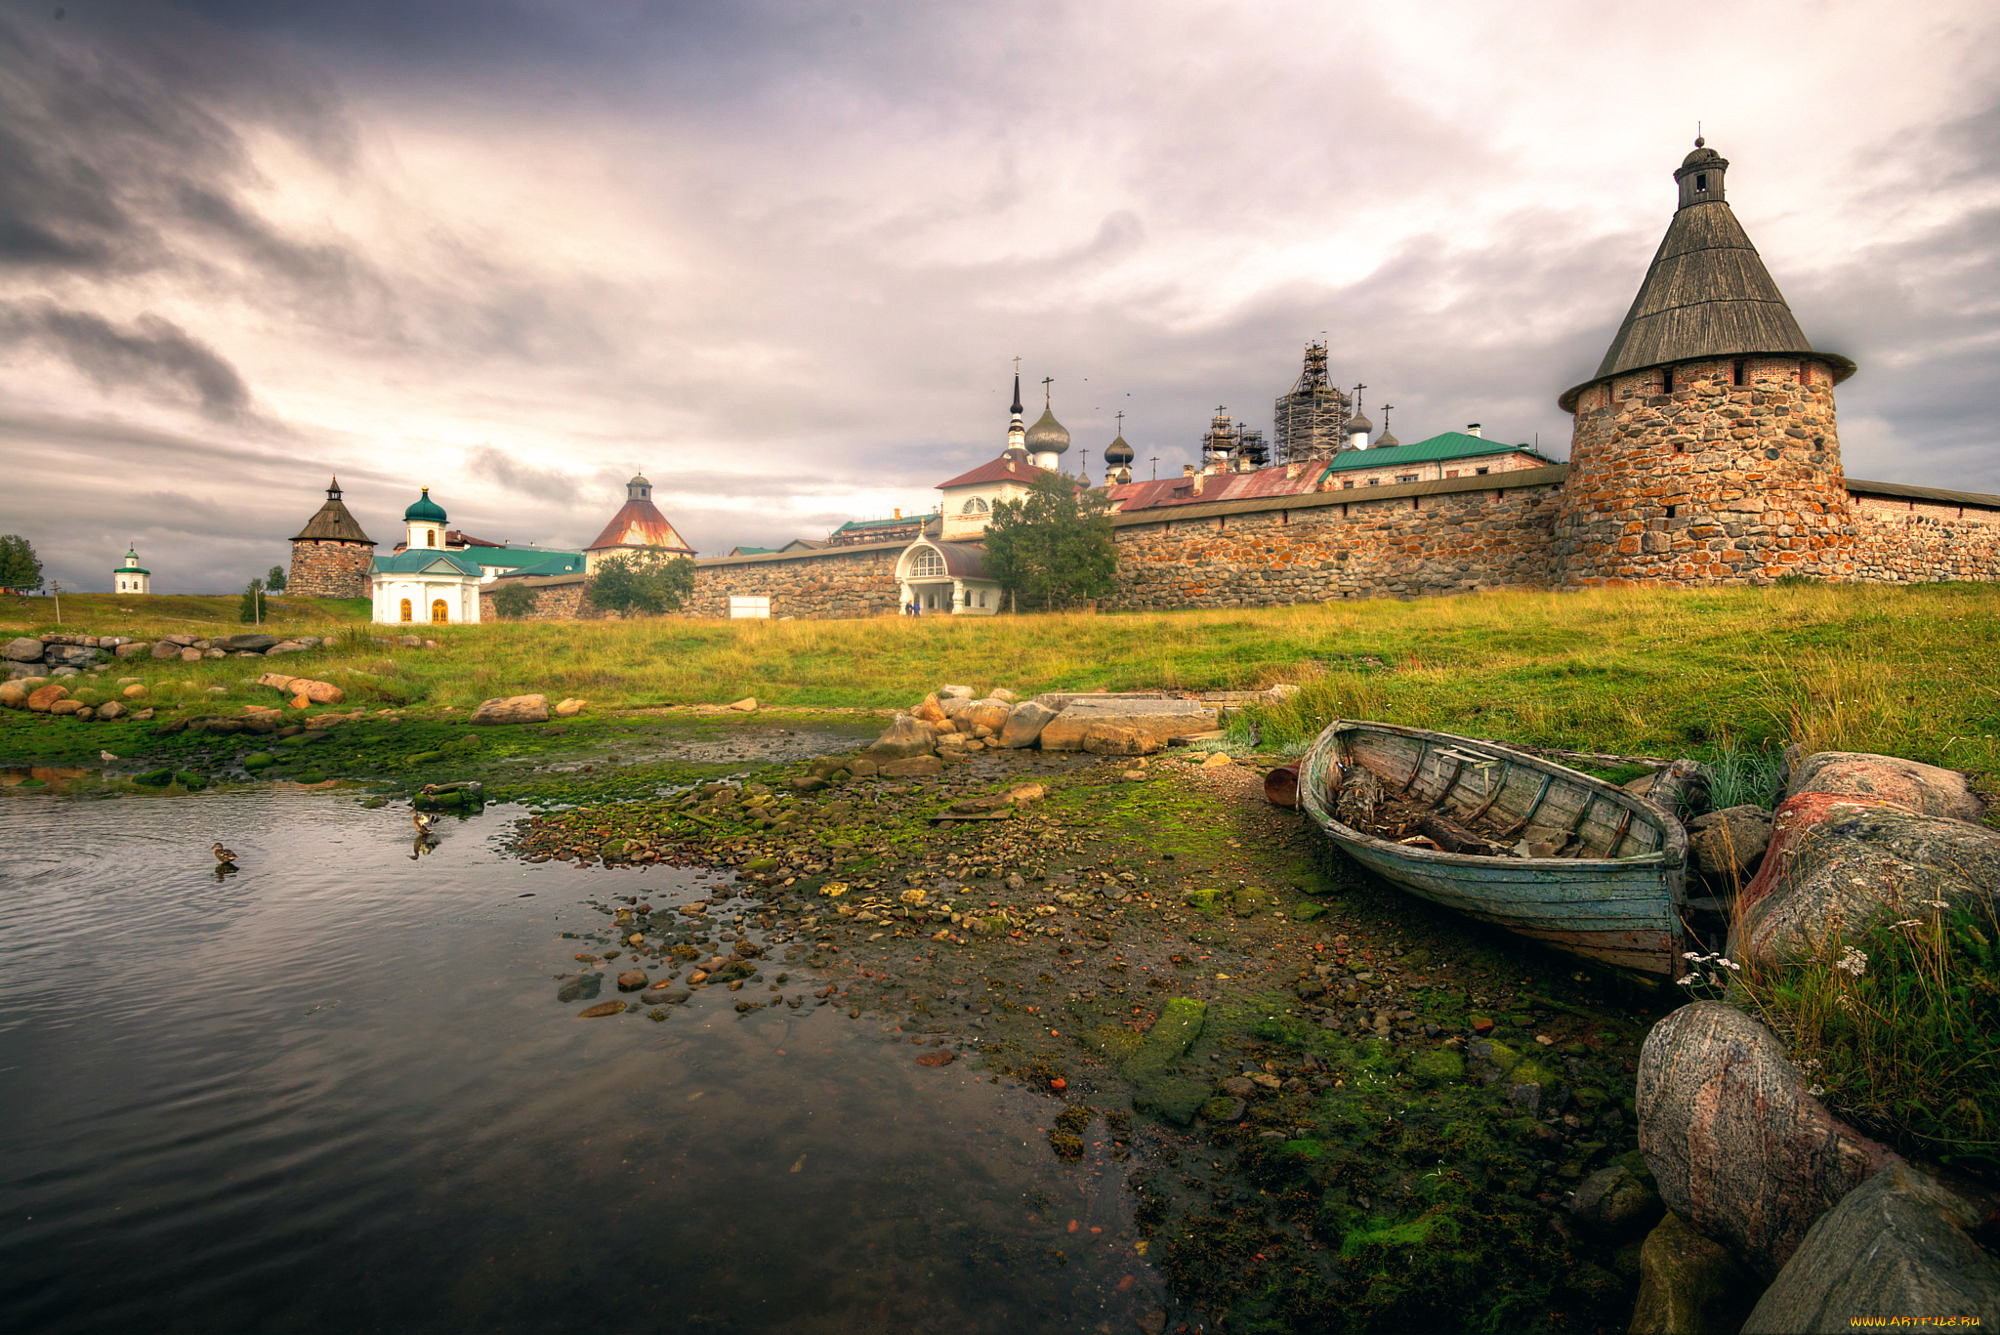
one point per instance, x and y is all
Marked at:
(1118, 453)
(1359, 422)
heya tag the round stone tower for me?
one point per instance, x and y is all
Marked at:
(331, 555)
(1704, 449)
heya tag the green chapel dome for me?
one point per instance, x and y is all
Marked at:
(425, 510)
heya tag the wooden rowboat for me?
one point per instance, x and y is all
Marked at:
(1604, 871)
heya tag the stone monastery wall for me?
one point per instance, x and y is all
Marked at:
(857, 581)
(1456, 535)
(1451, 536)
(1922, 543)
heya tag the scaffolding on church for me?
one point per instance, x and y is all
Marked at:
(1310, 421)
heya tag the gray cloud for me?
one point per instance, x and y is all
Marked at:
(153, 356)
(779, 257)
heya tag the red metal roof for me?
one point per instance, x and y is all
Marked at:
(640, 524)
(1265, 482)
(1011, 466)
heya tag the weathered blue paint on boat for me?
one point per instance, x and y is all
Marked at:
(1624, 911)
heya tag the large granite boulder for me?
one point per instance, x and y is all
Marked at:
(989, 713)
(1737, 1145)
(43, 698)
(1837, 863)
(133, 648)
(1159, 720)
(26, 649)
(512, 709)
(1891, 779)
(1025, 722)
(912, 767)
(1689, 1285)
(322, 692)
(906, 736)
(1614, 1204)
(1897, 1245)
(166, 649)
(931, 710)
(13, 695)
(247, 644)
(1727, 844)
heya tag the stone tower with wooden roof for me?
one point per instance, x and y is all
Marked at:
(1703, 449)
(331, 555)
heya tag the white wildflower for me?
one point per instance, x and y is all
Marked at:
(1907, 922)
(1683, 982)
(1815, 1090)
(1689, 955)
(1854, 961)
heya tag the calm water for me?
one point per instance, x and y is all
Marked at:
(335, 1092)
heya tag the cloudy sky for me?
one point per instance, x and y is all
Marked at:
(780, 257)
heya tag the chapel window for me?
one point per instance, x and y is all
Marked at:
(407, 610)
(927, 562)
(975, 506)
(440, 611)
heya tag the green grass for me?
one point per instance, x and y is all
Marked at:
(1631, 671)
(1900, 1033)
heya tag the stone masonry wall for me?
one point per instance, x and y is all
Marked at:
(1401, 546)
(553, 602)
(849, 582)
(1920, 546)
(329, 569)
(1697, 479)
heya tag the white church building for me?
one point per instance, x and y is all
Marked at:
(426, 581)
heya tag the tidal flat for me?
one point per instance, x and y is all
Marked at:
(1191, 1071)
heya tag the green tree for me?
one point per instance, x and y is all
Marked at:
(274, 582)
(513, 598)
(20, 568)
(642, 582)
(248, 609)
(1054, 545)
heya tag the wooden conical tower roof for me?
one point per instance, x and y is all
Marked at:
(1707, 293)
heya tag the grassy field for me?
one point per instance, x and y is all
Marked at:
(1659, 672)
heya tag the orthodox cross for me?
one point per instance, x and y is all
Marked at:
(1046, 382)
(1121, 423)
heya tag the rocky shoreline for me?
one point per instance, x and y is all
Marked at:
(1330, 1101)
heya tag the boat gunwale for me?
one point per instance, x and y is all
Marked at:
(1671, 855)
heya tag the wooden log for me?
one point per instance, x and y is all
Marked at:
(1452, 837)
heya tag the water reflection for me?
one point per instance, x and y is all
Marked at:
(331, 1090)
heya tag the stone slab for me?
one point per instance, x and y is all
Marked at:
(1158, 720)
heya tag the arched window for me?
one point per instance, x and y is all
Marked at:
(975, 506)
(926, 563)
(430, 537)
(440, 611)
(407, 610)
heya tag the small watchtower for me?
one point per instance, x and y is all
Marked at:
(1704, 449)
(331, 555)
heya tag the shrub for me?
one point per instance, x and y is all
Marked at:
(513, 599)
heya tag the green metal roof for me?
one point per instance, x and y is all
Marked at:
(131, 570)
(879, 523)
(513, 558)
(420, 559)
(552, 563)
(1449, 445)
